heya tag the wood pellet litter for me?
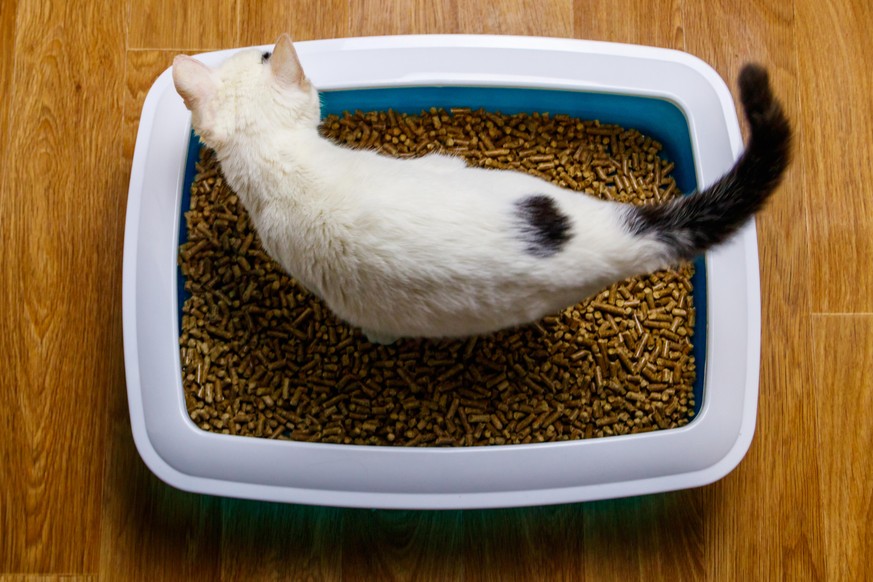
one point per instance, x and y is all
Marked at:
(262, 357)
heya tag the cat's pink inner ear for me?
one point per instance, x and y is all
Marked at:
(285, 64)
(193, 80)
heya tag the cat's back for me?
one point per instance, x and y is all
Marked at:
(352, 208)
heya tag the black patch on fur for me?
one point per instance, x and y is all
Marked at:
(544, 227)
(691, 224)
(266, 56)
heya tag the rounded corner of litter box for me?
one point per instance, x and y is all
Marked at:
(734, 456)
(159, 467)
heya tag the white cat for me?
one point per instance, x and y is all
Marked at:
(430, 247)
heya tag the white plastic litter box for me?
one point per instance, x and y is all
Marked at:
(673, 96)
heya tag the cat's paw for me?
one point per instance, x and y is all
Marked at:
(377, 337)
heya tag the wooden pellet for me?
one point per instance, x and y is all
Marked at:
(262, 357)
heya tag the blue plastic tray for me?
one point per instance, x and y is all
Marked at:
(656, 118)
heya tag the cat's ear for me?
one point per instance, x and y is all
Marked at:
(284, 63)
(193, 80)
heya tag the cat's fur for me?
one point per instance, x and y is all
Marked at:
(430, 247)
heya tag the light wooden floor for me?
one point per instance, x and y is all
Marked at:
(75, 500)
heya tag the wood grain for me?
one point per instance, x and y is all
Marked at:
(531, 543)
(11, 453)
(47, 578)
(402, 545)
(843, 399)
(77, 503)
(834, 53)
(8, 12)
(267, 541)
(384, 17)
(62, 199)
(263, 21)
(656, 537)
(630, 21)
(523, 17)
(190, 26)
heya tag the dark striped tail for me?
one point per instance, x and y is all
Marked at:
(691, 224)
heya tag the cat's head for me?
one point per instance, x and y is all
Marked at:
(249, 93)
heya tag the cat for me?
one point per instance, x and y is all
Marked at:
(430, 247)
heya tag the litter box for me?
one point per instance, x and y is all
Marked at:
(672, 96)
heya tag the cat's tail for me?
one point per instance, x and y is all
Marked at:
(689, 225)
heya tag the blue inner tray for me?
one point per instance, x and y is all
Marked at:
(656, 118)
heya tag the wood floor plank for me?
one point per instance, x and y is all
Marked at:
(530, 543)
(387, 17)
(61, 338)
(8, 13)
(150, 530)
(656, 537)
(834, 53)
(630, 21)
(843, 398)
(263, 541)
(522, 17)
(755, 530)
(47, 578)
(188, 26)
(394, 546)
(275, 542)
(261, 22)
(11, 453)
